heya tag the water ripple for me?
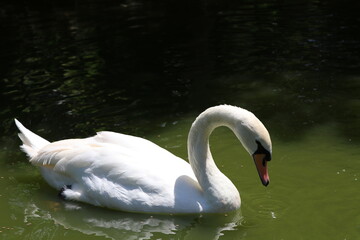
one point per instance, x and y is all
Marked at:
(266, 206)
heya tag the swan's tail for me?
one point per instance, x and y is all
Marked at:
(32, 143)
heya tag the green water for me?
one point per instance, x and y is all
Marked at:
(313, 195)
(69, 69)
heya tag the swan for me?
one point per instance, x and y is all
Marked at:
(132, 174)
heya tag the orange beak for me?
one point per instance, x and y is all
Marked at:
(261, 166)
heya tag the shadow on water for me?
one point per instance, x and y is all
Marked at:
(120, 65)
(120, 225)
(44, 213)
(35, 212)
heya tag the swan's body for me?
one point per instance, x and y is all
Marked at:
(133, 174)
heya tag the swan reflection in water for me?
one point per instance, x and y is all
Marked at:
(91, 220)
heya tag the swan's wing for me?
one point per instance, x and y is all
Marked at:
(123, 146)
(119, 177)
(105, 157)
(131, 143)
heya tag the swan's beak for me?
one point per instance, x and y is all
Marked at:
(261, 166)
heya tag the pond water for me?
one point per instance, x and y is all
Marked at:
(148, 68)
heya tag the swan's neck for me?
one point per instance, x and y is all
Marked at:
(219, 190)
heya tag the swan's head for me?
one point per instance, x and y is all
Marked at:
(256, 140)
(246, 126)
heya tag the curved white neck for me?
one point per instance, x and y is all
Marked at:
(219, 190)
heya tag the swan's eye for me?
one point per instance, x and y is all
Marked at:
(262, 150)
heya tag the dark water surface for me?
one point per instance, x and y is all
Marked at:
(148, 68)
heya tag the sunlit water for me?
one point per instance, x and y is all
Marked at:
(142, 68)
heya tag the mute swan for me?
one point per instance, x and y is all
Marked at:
(132, 174)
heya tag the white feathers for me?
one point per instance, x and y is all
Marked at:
(32, 143)
(118, 171)
(129, 173)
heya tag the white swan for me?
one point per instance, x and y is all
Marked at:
(132, 174)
